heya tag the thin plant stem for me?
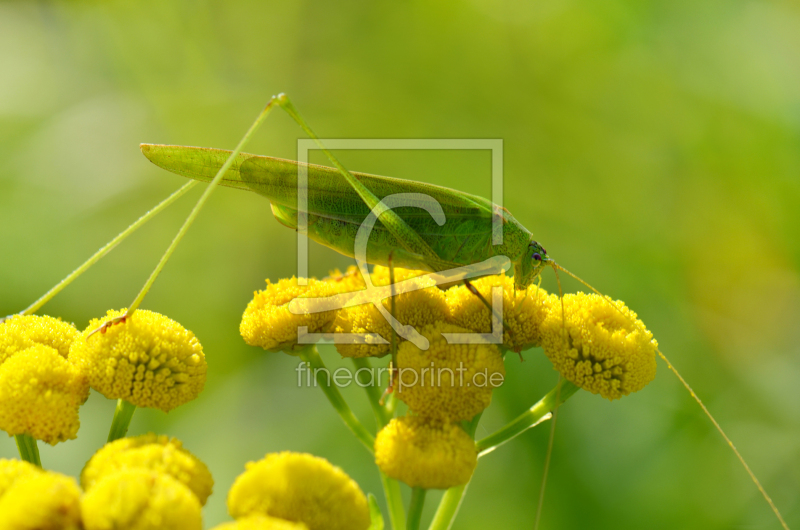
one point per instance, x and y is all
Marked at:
(106, 249)
(28, 449)
(415, 508)
(310, 355)
(448, 507)
(537, 413)
(394, 500)
(197, 207)
(122, 419)
(547, 457)
(382, 415)
(452, 498)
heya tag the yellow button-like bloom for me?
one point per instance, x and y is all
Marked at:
(13, 470)
(267, 321)
(424, 453)
(21, 332)
(150, 451)
(41, 501)
(148, 360)
(140, 499)
(448, 382)
(302, 488)
(606, 349)
(523, 311)
(40, 394)
(416, 308)
(261, 522)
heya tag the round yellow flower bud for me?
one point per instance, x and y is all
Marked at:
(41, 501)
(150, 451)
(523, 311)
(13, 470)
(416, 308)
(302, 488)
(424, 453)
(21, 332)
(261, 522)
(605, 351)
(40, 394)
(448, 382)
(140, 499)
(149, 360)
(267, 321)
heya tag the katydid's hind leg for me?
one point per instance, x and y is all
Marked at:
(405, 235)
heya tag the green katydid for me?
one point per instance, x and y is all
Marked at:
(339, 201)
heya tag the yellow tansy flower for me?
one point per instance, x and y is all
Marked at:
(21, 332)
(140, 499)
(150, 451)
(261, 522)
(267, 321)
(605, 351)
(148, 360)
(302, 488)
(448, 382)
(424, 453)
(523, 311)
(41, 501)
(345, 282)
(416, 308)
(40, 394)
(12, 470)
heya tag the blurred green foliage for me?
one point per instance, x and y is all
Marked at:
(653, 147)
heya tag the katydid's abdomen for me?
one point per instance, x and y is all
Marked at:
(335, 211)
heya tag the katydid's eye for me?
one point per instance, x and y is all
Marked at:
(537, 256)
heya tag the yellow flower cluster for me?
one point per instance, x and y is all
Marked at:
(267, 321)
(424, 453)
(33, 499)
(523, 311)
(423, 305)
(603, 348)
(300, 488)
(448, 382)
(140, 499)
(40, 394)
(154, 452)
(148, 360)
(21, 332)
(261, 522)
(12, 470)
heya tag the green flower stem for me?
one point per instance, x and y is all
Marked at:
(415, 508)
(28, 449)
(122, 419)
(366, 379)
(106, 249)
(451, 500)
(310, 356)
(448, 507)
(383, 414)
(200, 202)
(529, 418)
(394, 500)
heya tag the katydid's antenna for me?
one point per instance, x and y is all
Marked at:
(694, 396)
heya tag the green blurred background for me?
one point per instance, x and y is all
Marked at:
(653, 147)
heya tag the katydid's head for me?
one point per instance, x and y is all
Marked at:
(530, 266)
